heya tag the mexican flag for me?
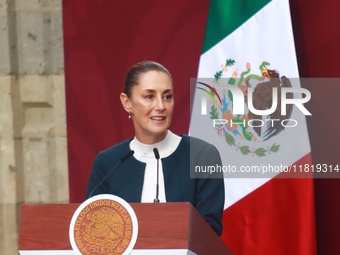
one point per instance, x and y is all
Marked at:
(250, 45)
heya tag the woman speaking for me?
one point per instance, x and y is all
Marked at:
(156, 157)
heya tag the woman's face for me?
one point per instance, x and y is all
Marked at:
(151, 104)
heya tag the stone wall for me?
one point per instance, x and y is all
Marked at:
(33, 145)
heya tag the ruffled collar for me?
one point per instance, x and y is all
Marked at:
(144, 152)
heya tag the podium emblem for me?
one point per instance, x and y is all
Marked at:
(103, 224)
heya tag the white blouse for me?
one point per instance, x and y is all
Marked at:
(144, 153)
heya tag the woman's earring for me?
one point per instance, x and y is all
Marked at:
(130, 115)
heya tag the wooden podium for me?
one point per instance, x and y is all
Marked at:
(164, 228)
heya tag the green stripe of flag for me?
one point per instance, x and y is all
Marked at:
(225, 16)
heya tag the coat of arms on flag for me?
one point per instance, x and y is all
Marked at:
(240, 131)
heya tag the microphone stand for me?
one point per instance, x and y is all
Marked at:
(156, 200)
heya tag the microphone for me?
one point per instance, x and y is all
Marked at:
(155, 151)
(122, 159)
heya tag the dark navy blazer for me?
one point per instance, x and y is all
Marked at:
(181, 182)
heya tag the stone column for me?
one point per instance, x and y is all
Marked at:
(33, 144)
